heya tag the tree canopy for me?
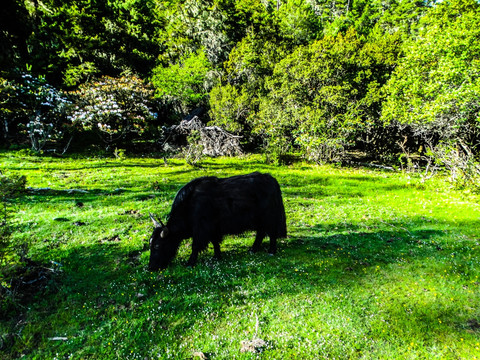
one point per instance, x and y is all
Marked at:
(313, 77)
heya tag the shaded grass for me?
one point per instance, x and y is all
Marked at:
(376, 265)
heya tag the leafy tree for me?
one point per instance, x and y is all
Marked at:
(15, 29)
(234, 103)
(324, 96)
(76, 40)
(401, 15)
(185, 83)
(270, 34)
(7, 93)
(213, 29)
(303, 75)
(436, 87)
(390, 16)
(193, 26)
(297, 22)
(251, 60)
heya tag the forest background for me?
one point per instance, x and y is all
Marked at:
(396, 80)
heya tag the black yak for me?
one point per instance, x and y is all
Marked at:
(208, 208)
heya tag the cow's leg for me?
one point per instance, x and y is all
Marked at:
(199, 243)
(192, 260)
(196, 248)
(216, 249)
(273, 245)
(258, 241)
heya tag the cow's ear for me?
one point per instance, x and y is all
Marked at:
(164, 233)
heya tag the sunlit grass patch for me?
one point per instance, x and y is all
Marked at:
(376, 265)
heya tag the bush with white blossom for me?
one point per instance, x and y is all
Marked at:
(117, 109)
(34, 107)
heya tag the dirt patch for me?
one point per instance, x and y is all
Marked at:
(113, 239)
(253, 346)
(134, 213)
(473, 324)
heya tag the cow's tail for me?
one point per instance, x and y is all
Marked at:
(280, 218)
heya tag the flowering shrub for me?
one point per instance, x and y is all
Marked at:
(114, 108)
(34, 107)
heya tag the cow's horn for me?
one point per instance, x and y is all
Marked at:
(155, 222)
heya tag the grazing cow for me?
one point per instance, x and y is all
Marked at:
(208, 208)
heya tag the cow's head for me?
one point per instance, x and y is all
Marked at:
(162, 250)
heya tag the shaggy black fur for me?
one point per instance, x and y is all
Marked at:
(208, 208)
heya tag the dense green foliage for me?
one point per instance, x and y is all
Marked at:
(312, 77)
(184, 84)
(314, 102)
(377, 265)
(436, 87)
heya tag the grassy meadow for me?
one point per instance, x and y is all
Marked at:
(377, 265)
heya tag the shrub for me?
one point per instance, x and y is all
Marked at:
(230, 107)
(185, 85)
(116, 109)
(32, 107)
(459, 160)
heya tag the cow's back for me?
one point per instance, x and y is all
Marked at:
(240, 203)
(233, 205)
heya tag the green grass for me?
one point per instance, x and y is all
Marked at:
(377, 265)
